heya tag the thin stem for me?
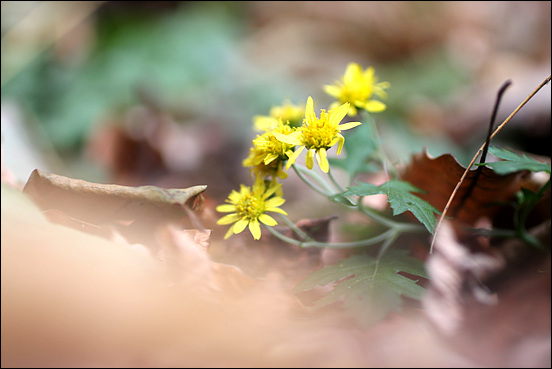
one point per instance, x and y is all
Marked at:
(388, 242)
(337, 245)
(385, 161)
(304, 236)
(335, 183)
(299, 171)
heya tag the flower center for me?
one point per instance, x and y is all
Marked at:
(320, 133)
(250, 207)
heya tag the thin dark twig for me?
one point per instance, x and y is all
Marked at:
(473, 183)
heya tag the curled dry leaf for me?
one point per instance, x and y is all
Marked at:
(102, 203)
(134, 211)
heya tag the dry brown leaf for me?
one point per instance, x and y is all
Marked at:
(134, 211)
(438, 177)
(104, 203)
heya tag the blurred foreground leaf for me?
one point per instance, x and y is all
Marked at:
(108, 202)
(370, 288)
(141, 208)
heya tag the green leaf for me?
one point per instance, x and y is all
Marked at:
(360, 146)
(401, 199)
(514, 162)
(368, 288)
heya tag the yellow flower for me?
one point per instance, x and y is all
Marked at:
(290, 114)
(255, 161)
(357, 88)
(268, 153)
(317, 135)
(249, 207)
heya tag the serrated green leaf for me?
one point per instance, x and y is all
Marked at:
(401, 199)
(514, 162)
(368, 288)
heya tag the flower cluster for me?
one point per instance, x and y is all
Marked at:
(289, 130)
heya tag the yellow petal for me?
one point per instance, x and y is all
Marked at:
(309, 110)
(340, 143)
(348, 125)
(271, 190)
(227, 219)
(280, 173)
(270, 158)
(322, 159)
(310, 158)
(275, 201)
(332, 91)
(351, 73)
(226, 208)
(374, 106)
(293, 138)
(240, 225)
(234, 196)
(262, 122)
(294, 156)
(378, 89)
(255, 229)
(276, 210)
(229, 233)
(338, 114)
(383, 85)
(268, 220)
(369, 73)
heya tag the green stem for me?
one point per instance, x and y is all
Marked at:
(337, 245)
(385, 161)
(299, 171)
(336, 184)
(304, 236)
(385, 246)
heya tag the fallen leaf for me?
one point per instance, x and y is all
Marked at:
(439, 176)
(135, 211)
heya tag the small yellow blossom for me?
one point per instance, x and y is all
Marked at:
(317, 135)
(289, 113)
(268, 153)
(249, 207)
(255, 161)
(357, 88)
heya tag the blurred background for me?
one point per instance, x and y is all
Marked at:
(164, 92)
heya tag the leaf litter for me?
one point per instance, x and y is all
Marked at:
(172, 233)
